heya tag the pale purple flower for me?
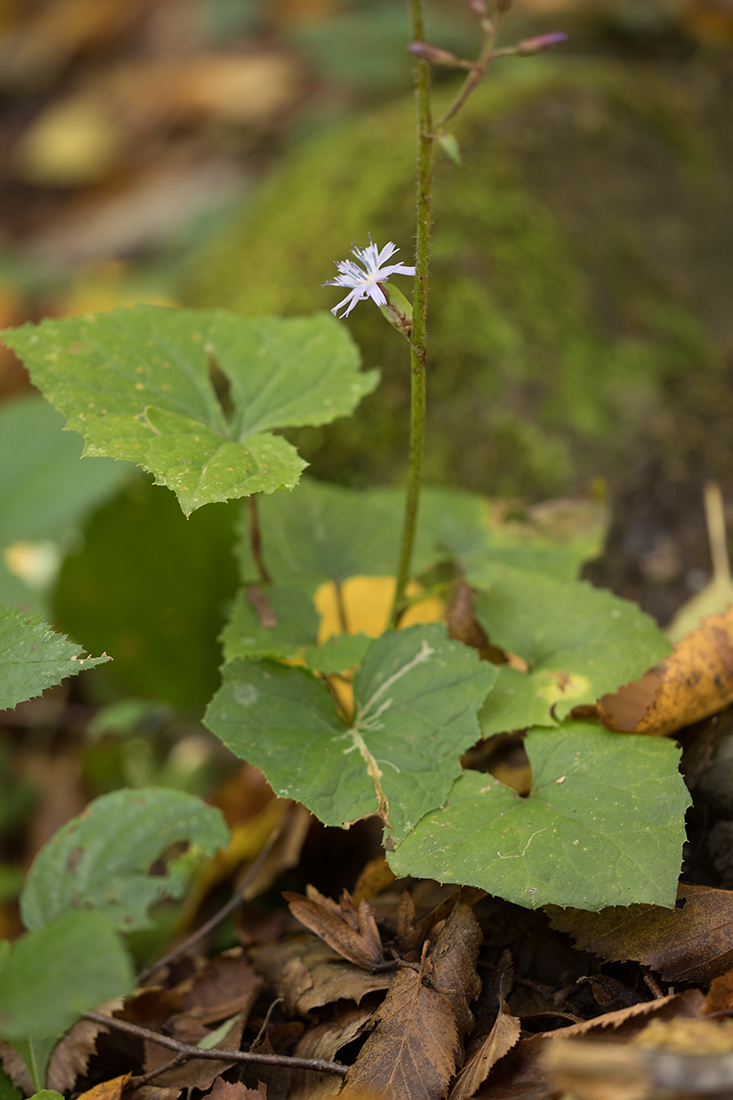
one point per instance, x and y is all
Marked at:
(365, 284)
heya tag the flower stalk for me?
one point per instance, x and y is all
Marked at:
(418, 351)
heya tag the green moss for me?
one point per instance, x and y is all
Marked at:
(564, 296)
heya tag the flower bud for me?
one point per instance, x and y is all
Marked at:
(433, 54)
(541, 42)
(478, 7)
(503, 5)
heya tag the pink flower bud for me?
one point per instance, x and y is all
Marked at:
(541, 42)
(478, 7)
(433, 54)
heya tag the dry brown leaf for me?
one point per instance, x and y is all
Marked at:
(197, 1073)
(720, 994)
(235, 1090)
(376, 876)
(454, 960)
(325, 1041)
(228, 985)
(687, 1035)
(70, 1057)
(306, 973)
(107, 1090)
(695, 681)
(626, 1022)
(611, 1071)
(407, 933)
(412, 1053)
(350, 931)
(691, 944)
(500, 1040)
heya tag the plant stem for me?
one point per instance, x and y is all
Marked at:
(318, 1065)
(474, 78)
(255, 539)
(418, 353)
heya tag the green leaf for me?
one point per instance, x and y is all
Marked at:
(136, 384)
(100, 859)
(47, 1094)
(338, 654)
(449, 144)
(603, 825)
(53, 974)
(297, 624)
(294, 635)
(33, 657)
(164, 584)
(8, 1090)
(416, 697)
(324, 532)
(45, 493)
(36, 1054)
(579, 642)
(44, 485)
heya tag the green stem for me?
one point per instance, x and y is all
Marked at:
(419, 315)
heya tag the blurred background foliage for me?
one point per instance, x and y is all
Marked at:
(226, 152)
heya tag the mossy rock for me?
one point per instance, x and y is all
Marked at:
(580, 280)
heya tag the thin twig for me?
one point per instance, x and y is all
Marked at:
(265, 1022)
(183, 1049)
(145, 1078)
(255, 539)
(233, 903)
(476, 75)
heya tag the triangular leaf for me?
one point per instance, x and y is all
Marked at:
(33, 657)
(603, 825)
(135, 383)
(416, 697)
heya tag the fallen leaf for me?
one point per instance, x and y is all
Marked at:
(325, 1041)
(695, 681)
(226, 986)
(720, 994)
(687, 1035)
(412, 1053)
(407, 933)
(362, 605)
(70, 1057)
(235, 1090)
(691, 944)
(107, 1090)
(199, 1073)
(306, 973)
(522, 1073)
(454, 960)
(350, 931)
(500, 1040)
(376, 876)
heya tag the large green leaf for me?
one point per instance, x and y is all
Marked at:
(602, 825)
(51, 975)
(136, 384)
(45, 493)
(579, 643)
(100, 859)
(416, 697)
(294, 634)
(153, 589)
(33, 657)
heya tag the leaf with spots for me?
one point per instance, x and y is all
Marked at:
(416, 697)
(578, 643)
(193, 396)
(100, 860)
(33, 657)
(603, 825)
